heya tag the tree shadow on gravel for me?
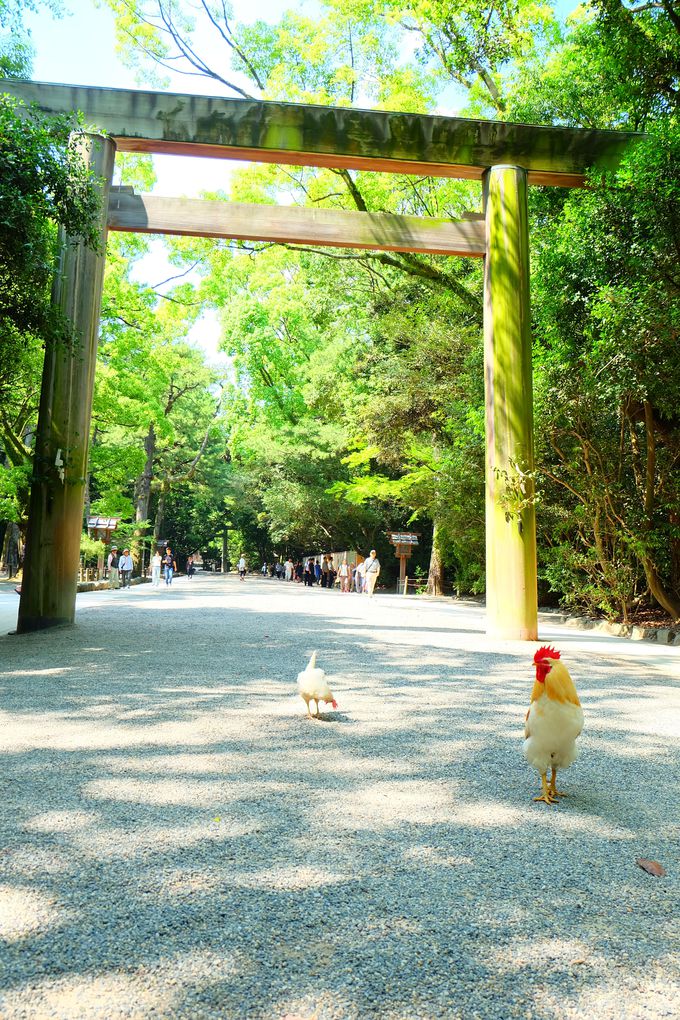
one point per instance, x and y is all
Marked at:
(181, 841)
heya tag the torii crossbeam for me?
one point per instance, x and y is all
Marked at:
(505, 157)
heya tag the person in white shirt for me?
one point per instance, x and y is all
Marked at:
(242, 567)
(289, 569)
(125, 567)
(359, 577)
(371, 572)
(344, 575)
(156, 569)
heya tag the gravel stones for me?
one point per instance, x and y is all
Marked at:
(179, 841)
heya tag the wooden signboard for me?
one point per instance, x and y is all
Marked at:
(404, 543)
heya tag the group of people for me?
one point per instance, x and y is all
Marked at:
(322, 571)
(120, 568)
(165, 562)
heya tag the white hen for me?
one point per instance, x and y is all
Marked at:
(313, 686)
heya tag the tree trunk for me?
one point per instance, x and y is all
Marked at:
(143, 483)
(435, 577)
(143, 497)
(656, 585)
(88, 477)
(11, 548)
(658, 590)
(160, 510)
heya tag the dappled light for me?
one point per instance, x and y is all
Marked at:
(180, 835)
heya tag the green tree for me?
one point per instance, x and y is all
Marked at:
(155, 404)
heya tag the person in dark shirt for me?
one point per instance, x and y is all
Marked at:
(169, 565)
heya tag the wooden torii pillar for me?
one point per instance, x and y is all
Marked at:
(511, 571)
(506, 157)
(55, 522)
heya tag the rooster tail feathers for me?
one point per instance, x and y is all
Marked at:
(312, 661)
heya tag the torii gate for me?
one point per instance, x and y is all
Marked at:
(506, 157)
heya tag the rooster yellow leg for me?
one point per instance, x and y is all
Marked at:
(553, 791)
(306, 701)
(318, 714)
(546, 796)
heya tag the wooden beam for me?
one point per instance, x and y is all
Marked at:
(292, 133)
(326, 228)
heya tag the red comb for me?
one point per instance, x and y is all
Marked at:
(546, 652)
(334, 703)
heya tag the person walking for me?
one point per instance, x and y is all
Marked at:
(309, 573)
(359, 577)
(371, 572)
(169, 566)
(288, 569)
(125, 566)
(156, 562)
(242, 568)
(343, 574)
(317, 572)
(112, 564)
(191, 569)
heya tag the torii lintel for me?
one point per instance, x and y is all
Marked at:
(339, 137)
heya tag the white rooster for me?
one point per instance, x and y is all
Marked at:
(313, 686)
(553, 722)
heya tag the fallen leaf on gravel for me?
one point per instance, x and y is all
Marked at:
(575, 963)
(651, 867)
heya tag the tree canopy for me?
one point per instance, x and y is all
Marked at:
(354, 401)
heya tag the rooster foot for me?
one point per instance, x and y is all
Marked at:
(546, 798)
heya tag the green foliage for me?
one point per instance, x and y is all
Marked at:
(14, 488)
(356, 402)
(44, 184)
(91, 550)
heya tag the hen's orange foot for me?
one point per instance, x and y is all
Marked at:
(546, 798)
(553, 782)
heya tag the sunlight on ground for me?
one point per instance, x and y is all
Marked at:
(169, 792)
(84, 996)
(379, 804)
(181, 838)
(124, 843)
(52, 671)
(61, 821)
(24, 911)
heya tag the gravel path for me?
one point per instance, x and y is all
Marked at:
(179, 841)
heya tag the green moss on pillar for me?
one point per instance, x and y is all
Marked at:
(511, 589)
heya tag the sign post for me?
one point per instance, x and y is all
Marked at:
(404, 543)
